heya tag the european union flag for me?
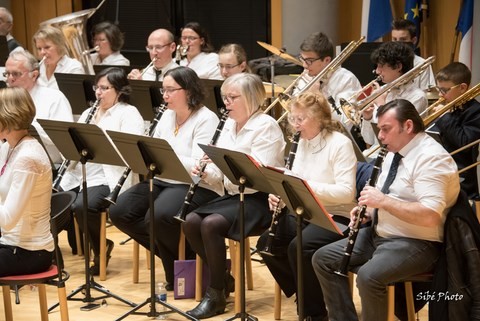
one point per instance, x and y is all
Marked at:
(413, 12)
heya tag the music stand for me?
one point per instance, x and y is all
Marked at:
(242, 170)
(301, 200)
(213, 99)
(78, 90)
(84, 142)
(151, 156)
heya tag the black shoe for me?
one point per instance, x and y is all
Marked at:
(213, 303)
(229, 284)
(316, 318)
(95, 269)
(169, 286)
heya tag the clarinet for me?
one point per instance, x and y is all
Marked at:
(352, 235)
(66, 163)
(272, 230)
(112, 197)
(182, 213)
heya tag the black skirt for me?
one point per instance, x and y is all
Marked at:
(257, 213)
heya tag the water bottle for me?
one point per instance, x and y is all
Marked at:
(161, 296)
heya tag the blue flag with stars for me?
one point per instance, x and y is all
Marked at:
(413, 12)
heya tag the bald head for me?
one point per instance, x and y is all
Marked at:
(161, 45)
(6, 21)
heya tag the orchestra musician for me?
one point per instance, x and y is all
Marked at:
(200, 55)
(392, 59)
(114, 113)
(250, 131)
(6, 25)
(407, 229)
(160, 47)
(109, 40)
(404, 30)
(22, 70)
(326, 159)
(26, 243)
(461, 125)
(232, 59)
(183, 125)
(316, 52)
(50, 44)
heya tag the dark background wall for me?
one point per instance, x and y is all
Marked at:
(240, 21)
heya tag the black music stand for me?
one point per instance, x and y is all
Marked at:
(84, 143)
(151, 156)
(301, 200)
(242, 170)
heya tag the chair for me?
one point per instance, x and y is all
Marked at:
(427, 277)
(55, 275)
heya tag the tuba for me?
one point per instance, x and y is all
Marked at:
(285, 97)
(74, 28)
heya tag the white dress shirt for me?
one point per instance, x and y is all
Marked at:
(328, 163)
(50, 104)
(121, 117)
(150, 74)
(114, 59)
(205, 65)
(426, 79)
(426, 174)
(25, 193)
(260, 137)
(65, 65)
(198, 128)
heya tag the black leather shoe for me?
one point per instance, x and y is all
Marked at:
(95, 269)
(213, 303)
(229, 284)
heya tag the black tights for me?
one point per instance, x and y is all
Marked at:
(206, 236)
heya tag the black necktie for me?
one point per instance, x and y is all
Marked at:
(158, 73)
(392, 172)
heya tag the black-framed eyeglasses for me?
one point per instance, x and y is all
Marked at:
(444, 91)
(227, 67)
(157, 47)
(229, 98)
(308, 61)
(168, 91)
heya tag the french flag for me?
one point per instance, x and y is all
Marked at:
(376, 19)
(465, 27)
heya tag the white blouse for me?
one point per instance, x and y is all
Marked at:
(25, 192)
(114, 59)
(205, 65)
(65, 65)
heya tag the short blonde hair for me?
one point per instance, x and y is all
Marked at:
(317, 108)
(250, 87)
(53, 34)
(17, 109)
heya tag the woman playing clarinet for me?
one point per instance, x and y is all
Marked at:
(326, 159)
(185, 124)
(249, 131)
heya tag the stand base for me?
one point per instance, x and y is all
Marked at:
(92, 286)
(243, 316)
(153, 312)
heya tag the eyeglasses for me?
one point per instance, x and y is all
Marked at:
(444, 91)
(99, 39)
(308, 61)
(189, 38)
(168, 91)
(296, 119)
(229, 99)
(101, 88)
(14, 74)
(227, 67)
(157, 47)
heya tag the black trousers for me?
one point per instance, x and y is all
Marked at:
(15, 260)
(283, 265)
(132, 216)
(95, 196)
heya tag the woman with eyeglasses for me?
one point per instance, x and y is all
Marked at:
(325, 158)
(51, 46)
(113, 113)
(232, 59)
(185, 124)
(109, 40)
(200, 52)
(247, 130)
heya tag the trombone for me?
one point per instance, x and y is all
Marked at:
(356, 108)
(285, 97)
